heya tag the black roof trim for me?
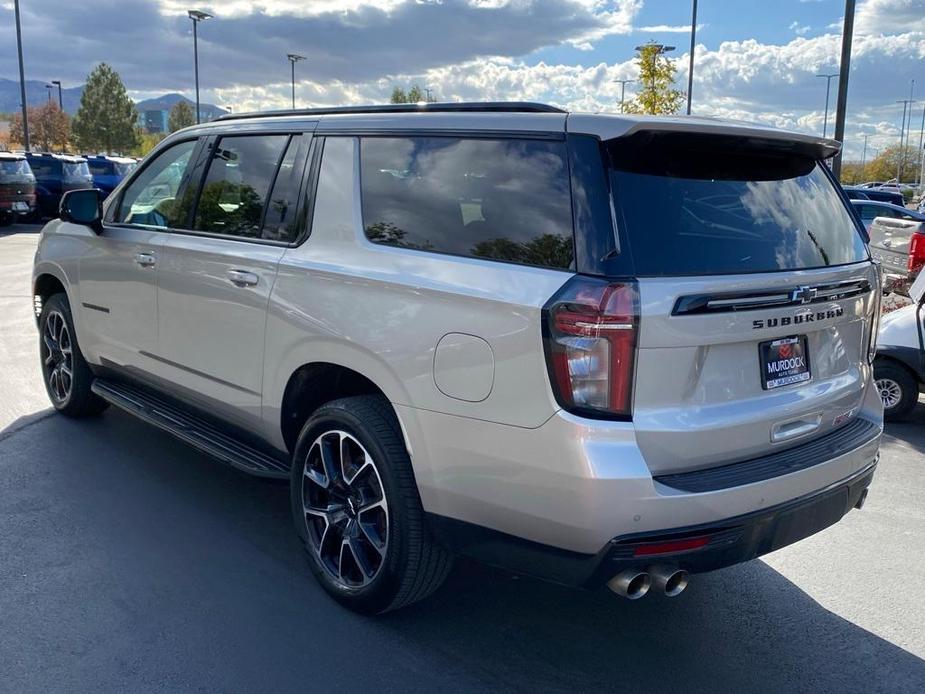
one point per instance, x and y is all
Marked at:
(462, 107)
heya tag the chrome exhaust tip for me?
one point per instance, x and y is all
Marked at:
(631, 584)
(670, 580)
(859, 504)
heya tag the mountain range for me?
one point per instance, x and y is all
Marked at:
(37, 94)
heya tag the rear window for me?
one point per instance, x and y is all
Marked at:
(706, 206)
(503, 199)
(100, 168)
(14, 167)
(76, 170)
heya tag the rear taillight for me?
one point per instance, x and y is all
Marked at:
(590, 331)
(916, 252)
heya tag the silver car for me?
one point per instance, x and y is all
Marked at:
(591, 348)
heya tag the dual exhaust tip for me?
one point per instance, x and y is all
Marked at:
(635, 583)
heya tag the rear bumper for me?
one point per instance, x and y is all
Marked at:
(730, 541)
(577, 490)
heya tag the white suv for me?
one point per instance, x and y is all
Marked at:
(591, 348)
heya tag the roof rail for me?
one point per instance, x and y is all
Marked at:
(451, 107)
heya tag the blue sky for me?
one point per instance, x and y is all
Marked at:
(756, 59)
(719, 20)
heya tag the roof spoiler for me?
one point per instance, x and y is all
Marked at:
(760, 136)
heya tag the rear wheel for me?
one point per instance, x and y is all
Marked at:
(66, 374)
(356, 507)
(898, 390)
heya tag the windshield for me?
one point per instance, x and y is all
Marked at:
(79, 170)
(15, 167)
(695, 206)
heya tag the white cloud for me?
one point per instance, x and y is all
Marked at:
(799, 30)
(669, 28)
(890, 17)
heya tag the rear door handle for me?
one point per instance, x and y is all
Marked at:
(145, 259)
(243, 278)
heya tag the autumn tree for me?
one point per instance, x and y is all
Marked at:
(656, 75)
(49, 127)
(181, 116)
(107, 116)
(886, 165)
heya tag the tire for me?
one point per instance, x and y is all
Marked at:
(69, 393)
(369, 549)
(898, 389)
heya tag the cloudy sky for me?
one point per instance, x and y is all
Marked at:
(756, 59)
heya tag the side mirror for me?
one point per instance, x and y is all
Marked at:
(83, 207)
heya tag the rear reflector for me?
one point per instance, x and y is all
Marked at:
(672, 546)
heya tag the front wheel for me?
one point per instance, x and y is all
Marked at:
(66, 374)
(356, 507)
(898, 390)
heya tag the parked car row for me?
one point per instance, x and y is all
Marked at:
(32, 183)
(897, 241)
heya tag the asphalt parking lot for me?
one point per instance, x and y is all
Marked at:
(129, 562)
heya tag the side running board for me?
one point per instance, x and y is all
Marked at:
(192, 429)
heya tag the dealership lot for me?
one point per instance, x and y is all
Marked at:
(131, 562)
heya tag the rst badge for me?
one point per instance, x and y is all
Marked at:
(784, 362)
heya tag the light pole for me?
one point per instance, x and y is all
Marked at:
(922, 151)
(293, 59)
(690, 71)
(907, 108)
(623, 84)
(828, 82)
(427, 97)
(841, 103)
(48, 90)
(864, 160)
(60, 98)
(197, 16)
(22, 79)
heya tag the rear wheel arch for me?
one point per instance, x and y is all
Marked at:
(899, 363)
(315, 384)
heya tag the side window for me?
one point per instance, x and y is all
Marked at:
(43, 169)
(235, 190)
(868, 212)
(151, 199)
(280, 221)
(504, 199)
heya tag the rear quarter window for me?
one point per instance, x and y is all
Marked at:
(720, 206)
(500, 199)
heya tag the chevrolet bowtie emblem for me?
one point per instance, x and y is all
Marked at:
(803, 294)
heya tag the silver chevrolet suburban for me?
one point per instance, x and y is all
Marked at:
(591, 348)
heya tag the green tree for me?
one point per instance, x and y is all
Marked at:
(852, 173)
(656, 75)
(106, 118)
(412, 96)
(181, 116)
(146, 142)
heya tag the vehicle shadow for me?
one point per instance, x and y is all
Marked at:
(130, 561)
(910, 432)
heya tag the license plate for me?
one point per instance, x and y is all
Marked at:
(784, 362)
(20, 206)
